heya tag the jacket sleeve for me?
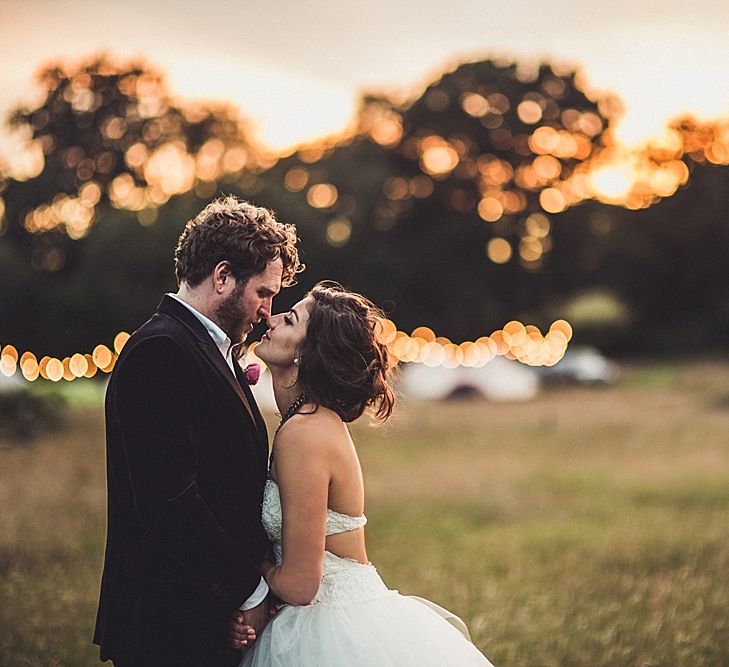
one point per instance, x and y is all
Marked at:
(158, 417)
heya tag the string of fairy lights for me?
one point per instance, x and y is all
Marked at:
(515, 341)
(77, 366)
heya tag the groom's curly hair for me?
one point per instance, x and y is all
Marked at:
(247, 236)
(342, 363)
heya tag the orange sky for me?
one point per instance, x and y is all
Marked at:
(298, 72)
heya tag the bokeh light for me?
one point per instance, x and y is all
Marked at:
(339, 231)
(499, 250)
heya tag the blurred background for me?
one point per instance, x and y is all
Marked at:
(536, 194)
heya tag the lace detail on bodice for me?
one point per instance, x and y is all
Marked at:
(272, 516)
(343, 580)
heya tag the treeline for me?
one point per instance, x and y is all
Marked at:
(460, 210)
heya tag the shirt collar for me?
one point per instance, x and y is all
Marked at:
(220, 338)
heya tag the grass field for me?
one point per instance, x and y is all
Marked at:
(589, 527)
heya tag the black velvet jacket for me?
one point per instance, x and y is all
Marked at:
(186, 465)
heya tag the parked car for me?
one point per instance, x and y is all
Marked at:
(581, 365)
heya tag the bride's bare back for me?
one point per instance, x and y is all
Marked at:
(317, 469)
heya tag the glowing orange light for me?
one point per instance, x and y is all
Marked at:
(426, 333)
(8, 365)
(488, 344)
(296, 179)
(471, 354)
(29, 367)
(499, 250)
(54, 370)
(514, 333)
(590, 124)
(67, 372)
(552, 200)
(547, 168)
(490, 209)
(514, 201)
(136, 155)
(322, 195)
(171, 168)
(404, 348)
(432, 354)
(453, 356)
(387, 131)
(438, 157)
(564, 327)
(120, 340)
(529, 112)
(91, 370)
(475, 105)
(396, 188)
(385, 330)
(90, 193)
(537, 225)
(612, 182)
(499, 102)
(530, 249)
(78, 365)
(421, 186)
(544, 140)
(516, 341)
(102, 356)
(338, 232)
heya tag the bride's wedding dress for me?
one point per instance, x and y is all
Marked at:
(354, 620)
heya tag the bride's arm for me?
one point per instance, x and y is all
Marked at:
(303, 475)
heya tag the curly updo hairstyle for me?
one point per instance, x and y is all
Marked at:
(342, 365)
(247, 236)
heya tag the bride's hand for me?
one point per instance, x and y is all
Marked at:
(241, 634)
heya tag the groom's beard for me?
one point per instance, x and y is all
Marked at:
(232, 317)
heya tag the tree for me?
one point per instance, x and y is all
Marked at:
(407, 208)
(109, 134)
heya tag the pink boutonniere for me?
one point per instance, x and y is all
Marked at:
(252, 372)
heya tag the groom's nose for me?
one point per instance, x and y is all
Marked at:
(264, 311)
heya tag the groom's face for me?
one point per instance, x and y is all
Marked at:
(244, 305)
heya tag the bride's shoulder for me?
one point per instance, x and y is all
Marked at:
(311, 432)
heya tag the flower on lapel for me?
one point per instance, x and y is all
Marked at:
(252, 372)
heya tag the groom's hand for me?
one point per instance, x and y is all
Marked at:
(257, 617)
(241, 634)
(246, 626)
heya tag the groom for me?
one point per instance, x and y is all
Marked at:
(187, 452)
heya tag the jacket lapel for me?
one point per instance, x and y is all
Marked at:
(210, 351)
(258, 418)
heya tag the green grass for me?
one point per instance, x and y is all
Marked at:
(586, 528)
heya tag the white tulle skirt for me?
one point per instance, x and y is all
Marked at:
(355, 621)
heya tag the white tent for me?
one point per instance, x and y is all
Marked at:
(499, 380)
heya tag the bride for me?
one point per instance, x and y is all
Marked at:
(327, 368)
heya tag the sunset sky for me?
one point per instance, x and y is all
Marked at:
(298, 69)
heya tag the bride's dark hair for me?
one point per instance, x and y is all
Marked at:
(342, 364)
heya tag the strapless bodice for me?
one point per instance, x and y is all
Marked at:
(343, 580)
(273, 519)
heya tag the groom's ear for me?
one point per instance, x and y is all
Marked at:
(222, 275)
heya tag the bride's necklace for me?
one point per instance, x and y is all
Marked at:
(291, 411)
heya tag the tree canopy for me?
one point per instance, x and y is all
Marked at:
(462, 208)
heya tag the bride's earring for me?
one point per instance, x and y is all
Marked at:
(296, 378)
